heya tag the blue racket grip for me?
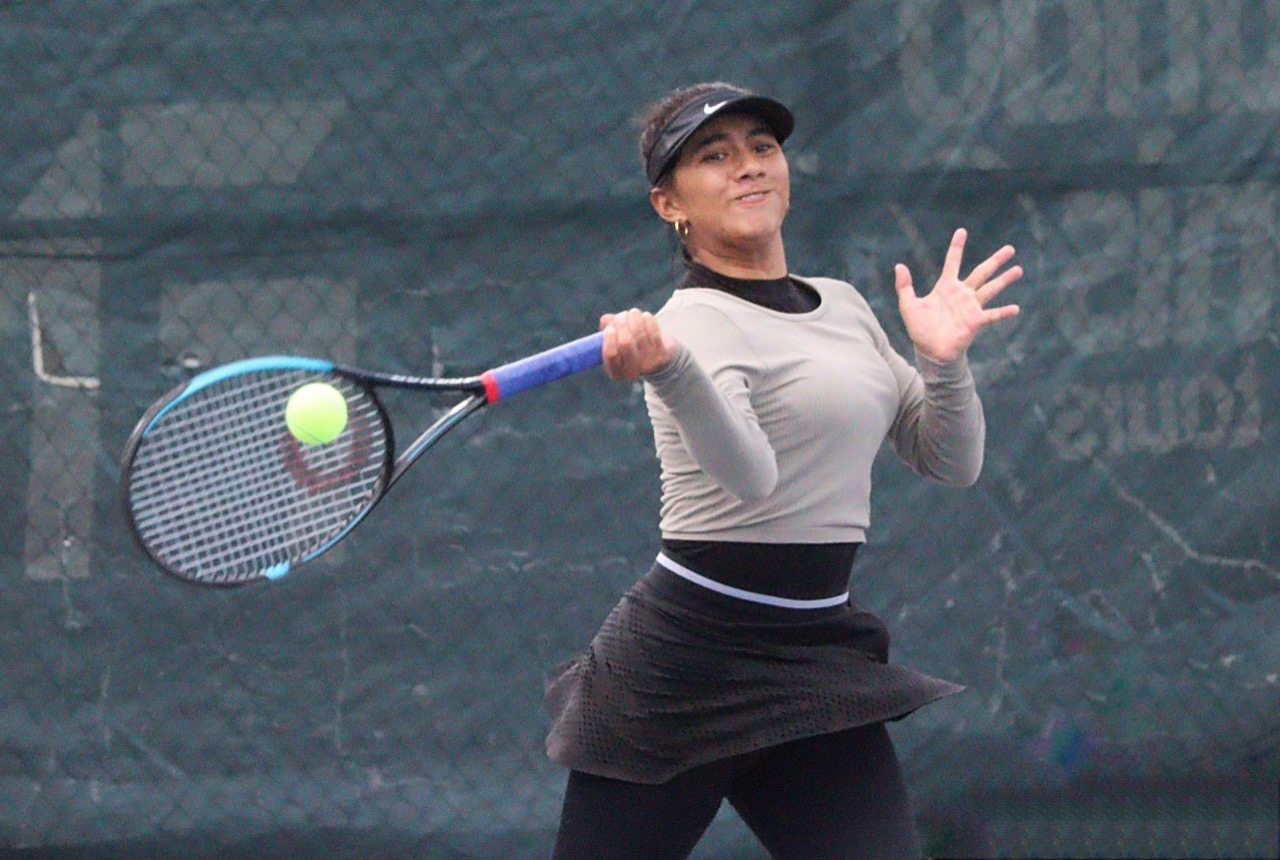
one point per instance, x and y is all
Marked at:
(544, 367)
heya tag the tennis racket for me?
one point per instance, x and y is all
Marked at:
(218, 491)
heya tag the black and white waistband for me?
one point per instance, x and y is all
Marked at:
(752, 596)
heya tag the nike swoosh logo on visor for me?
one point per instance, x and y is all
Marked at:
(710, 109)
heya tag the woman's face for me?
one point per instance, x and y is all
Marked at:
(731, 186)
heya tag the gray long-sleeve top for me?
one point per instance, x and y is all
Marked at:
(767, 423)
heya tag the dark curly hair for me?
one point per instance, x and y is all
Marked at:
(655, 117)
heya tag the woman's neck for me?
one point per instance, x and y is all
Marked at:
(769, 262)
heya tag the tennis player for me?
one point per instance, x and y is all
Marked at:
(739, 668)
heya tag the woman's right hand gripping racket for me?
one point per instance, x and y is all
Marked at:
(219, 490)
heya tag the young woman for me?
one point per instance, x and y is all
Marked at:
(739, 668)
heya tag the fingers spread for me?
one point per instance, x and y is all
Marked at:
(989, 266)
(955, 253)
(902, 279)
(986, 292)
(1003, 312)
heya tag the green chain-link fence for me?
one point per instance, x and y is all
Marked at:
(439, 187)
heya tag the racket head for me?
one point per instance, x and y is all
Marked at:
(218, 491)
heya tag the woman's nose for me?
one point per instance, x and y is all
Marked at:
(750, 164)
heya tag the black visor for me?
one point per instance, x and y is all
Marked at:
(666, 148)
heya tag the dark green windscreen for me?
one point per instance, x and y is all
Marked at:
(440, 187)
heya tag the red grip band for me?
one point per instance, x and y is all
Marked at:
(491, 393)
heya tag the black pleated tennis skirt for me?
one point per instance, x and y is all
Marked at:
(680, 675)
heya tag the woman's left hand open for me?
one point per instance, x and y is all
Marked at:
(944, 323)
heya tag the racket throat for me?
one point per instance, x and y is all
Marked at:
(434, 433)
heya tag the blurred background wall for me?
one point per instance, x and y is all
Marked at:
(443, 186)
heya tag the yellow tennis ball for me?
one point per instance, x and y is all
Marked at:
(316, 413)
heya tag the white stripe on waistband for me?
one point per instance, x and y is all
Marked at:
(753, 596)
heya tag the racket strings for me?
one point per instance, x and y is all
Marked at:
(221, 491)
(276, 525)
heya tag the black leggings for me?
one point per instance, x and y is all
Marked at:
(829, 797)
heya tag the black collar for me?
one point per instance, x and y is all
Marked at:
(784, 294)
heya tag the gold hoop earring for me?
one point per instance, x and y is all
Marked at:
(682, 229)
